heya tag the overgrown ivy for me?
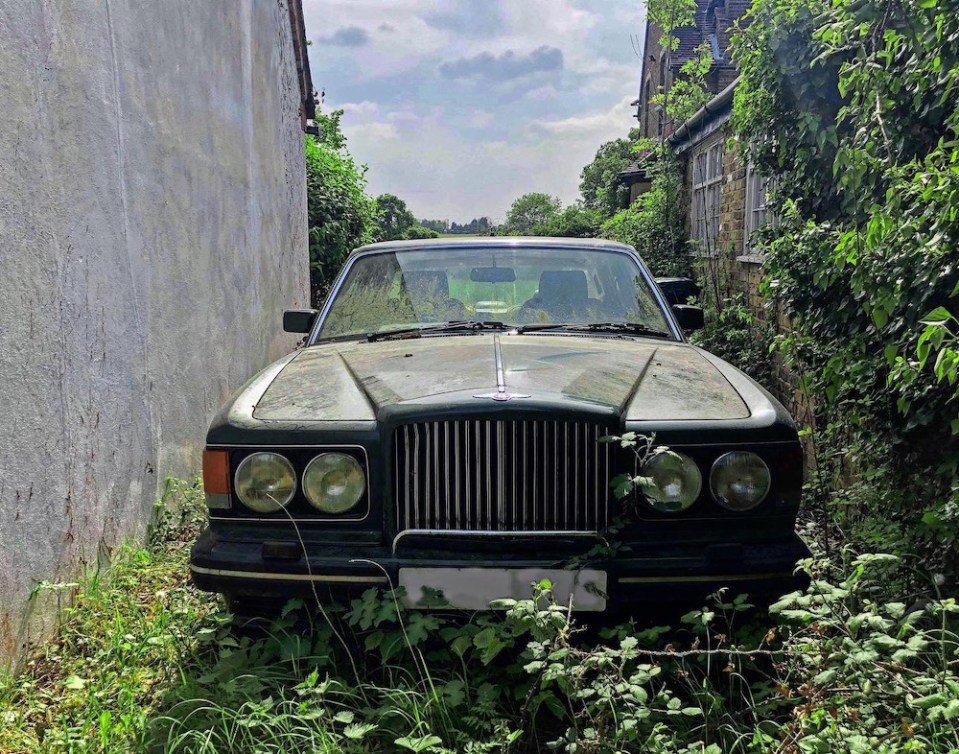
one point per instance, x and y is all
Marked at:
(854, 108)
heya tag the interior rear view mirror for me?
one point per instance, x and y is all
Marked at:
(493, 275)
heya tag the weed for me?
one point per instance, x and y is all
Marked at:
(143, 662)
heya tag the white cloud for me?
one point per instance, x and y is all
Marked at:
(600, 122)
(364, 110)
(459, 148)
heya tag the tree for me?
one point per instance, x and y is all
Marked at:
(530, 210)
(575, 221)
(598, 186)
(418, 231)
(395, 218)
(341, 216)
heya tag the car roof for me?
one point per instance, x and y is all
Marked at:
(487, 242)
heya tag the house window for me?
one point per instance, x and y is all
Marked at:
(707, 184)
(758, 212)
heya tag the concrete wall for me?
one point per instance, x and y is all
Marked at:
(152, 227)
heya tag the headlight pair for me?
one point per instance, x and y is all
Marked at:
(738, 480)
(332, 482)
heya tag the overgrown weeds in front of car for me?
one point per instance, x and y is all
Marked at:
(143, 662)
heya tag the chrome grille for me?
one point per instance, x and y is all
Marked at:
(485, 475)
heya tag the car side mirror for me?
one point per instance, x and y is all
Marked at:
(299, 320)
(688, 317)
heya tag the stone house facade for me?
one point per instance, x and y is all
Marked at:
(726, 205)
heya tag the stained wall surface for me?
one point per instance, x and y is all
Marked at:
(152, 228)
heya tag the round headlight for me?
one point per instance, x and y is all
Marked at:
(739, 480)
(675, 481)
(265, 482)
(334, 482)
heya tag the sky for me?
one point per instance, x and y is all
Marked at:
(460, 106)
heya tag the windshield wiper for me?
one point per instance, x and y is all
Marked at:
(456, 325)
(624, 328)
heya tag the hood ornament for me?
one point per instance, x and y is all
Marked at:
(500, 395)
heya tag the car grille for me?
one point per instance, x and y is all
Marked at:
(509, 476)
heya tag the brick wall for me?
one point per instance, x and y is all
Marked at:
(734, 273)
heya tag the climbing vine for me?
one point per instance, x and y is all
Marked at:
(854, 108)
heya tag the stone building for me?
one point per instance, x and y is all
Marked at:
(661, 67)
(152, 228)
(725, 197)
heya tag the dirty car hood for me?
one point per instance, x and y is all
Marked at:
(638, 379)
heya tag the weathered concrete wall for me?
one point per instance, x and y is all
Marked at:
(152, 227)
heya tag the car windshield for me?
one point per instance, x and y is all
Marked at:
(515, 286)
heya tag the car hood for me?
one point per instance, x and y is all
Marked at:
(636, 379)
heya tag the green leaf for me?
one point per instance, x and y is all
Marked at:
(423, 743)
(928, 702)
(358, 731)
(74, 682)
(937, 315)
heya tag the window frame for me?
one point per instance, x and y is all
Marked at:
(756, 210)
(706, 164)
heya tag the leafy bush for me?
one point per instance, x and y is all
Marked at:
(854, 107)
(573, 222)
(341, 215)
(418, 231)
(732, 332)
(655, 224)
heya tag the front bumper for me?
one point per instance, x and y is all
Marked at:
(646, 575)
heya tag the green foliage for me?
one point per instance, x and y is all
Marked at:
(97, 684)
(418, 231)
(395, 218)
(854, 107)
(670, 15)
(733, 333)
(478, 226)
(529, 211)
(572, 222)
(655, 223)
(598, 185)
(340, 214)
(688, 92)
(143, 662)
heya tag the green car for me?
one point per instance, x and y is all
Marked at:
(446, 429)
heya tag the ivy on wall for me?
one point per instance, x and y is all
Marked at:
(854, 107)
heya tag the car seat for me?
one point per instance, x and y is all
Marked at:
(429, 292)
(563, 295)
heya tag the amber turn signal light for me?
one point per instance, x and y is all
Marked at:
(216, 478)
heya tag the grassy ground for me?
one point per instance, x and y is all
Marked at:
(145, 663)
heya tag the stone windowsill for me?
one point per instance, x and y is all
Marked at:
(750, 258)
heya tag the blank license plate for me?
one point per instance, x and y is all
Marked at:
(475, 588)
